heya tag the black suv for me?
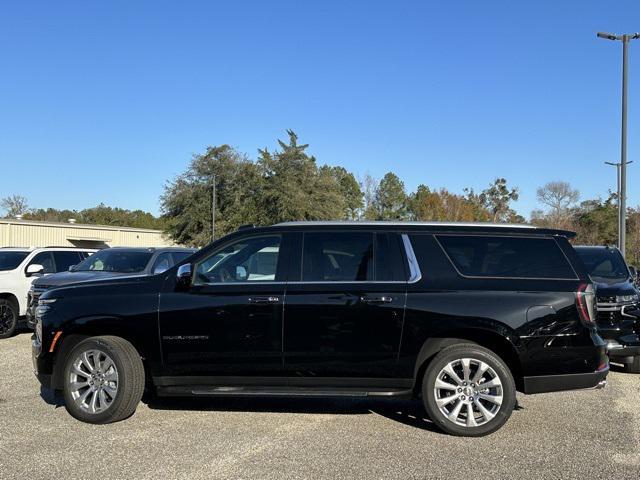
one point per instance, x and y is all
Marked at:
(617, 300)
(459, 314)
(107, 263)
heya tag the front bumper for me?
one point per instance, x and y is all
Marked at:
(41, 368)
(574, 381)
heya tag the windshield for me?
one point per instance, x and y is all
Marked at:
(11, 260)
(119, 261)
(604, 263)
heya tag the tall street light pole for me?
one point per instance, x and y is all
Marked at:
(618, 165)
(622, 198)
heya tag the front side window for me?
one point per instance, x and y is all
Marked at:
(162, 263)
(11, 260)
(115, 261)
(248, 260)
(337, 257)
(506, 257)
(46, 260)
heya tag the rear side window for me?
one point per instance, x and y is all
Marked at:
(337, 257)
(506, 257)
(64, 260)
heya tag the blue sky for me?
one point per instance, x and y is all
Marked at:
(106, 101)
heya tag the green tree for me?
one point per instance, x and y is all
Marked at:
(187, 200)
(497, 200)
(295, 188)
(351, 192)
(390, 202)
(443, 205)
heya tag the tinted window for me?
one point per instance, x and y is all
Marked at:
(162, 263)
(509, 257)
(115, 260)
(65, 259)
(180, 256)
(11, 260)
(247, 260)
(337, 257)
(46, 260)
(389, 262)
(604, 263)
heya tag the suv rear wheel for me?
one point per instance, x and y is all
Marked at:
(8, 318)
(103, 380)
(468, 390)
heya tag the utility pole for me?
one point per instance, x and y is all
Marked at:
(622, 191)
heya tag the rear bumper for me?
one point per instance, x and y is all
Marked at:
(574, 381)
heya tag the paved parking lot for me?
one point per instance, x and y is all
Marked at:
(592, 434)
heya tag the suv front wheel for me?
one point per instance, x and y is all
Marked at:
(468, 390)
(103, 380)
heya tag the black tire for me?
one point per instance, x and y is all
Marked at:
(8, 317)
(129, 380)
(480, 424)
(633, 367)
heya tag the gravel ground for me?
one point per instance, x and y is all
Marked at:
(588, 434)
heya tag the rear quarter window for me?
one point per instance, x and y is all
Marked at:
(506, 257)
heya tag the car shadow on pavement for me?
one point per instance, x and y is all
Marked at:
(407, 412)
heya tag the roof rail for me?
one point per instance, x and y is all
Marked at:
(246, 226)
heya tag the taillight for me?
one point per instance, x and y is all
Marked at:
(585, 303)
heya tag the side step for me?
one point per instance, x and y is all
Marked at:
(256, 391)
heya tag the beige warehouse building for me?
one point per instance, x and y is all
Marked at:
(29, 233)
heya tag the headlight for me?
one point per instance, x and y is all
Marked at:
(44, 305)
(626, 298)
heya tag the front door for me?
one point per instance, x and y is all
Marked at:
(229, 321)
(344, 315)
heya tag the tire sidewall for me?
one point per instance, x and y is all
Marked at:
(14, 310)
(479, 353)
(116, 355)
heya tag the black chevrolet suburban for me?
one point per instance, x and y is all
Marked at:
(461, 315)
(617, 304)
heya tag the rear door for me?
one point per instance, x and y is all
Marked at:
(344, 306)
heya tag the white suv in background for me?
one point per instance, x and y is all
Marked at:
(21, 266)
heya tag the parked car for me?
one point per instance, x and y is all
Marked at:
(617, 300)
(21, 266)
(110, 262)
(459, 314)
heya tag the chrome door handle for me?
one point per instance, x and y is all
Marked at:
(382, 299)
(264, 299)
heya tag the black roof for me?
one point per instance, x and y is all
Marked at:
(478, 227)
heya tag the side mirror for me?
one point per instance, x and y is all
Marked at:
(72, 268)
(241, 273)
(34, 269)
(183, 276)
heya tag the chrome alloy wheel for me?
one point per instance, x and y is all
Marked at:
(468, 392)
(93, 381)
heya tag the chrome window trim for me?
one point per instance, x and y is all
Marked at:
(414, 268)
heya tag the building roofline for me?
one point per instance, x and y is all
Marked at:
(84, 226)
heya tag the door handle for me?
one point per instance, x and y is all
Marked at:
(381, 299)
(264, 299)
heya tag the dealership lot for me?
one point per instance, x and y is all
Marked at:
(590, 434)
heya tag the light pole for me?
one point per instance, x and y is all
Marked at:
(622, 192)
(618, 165)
